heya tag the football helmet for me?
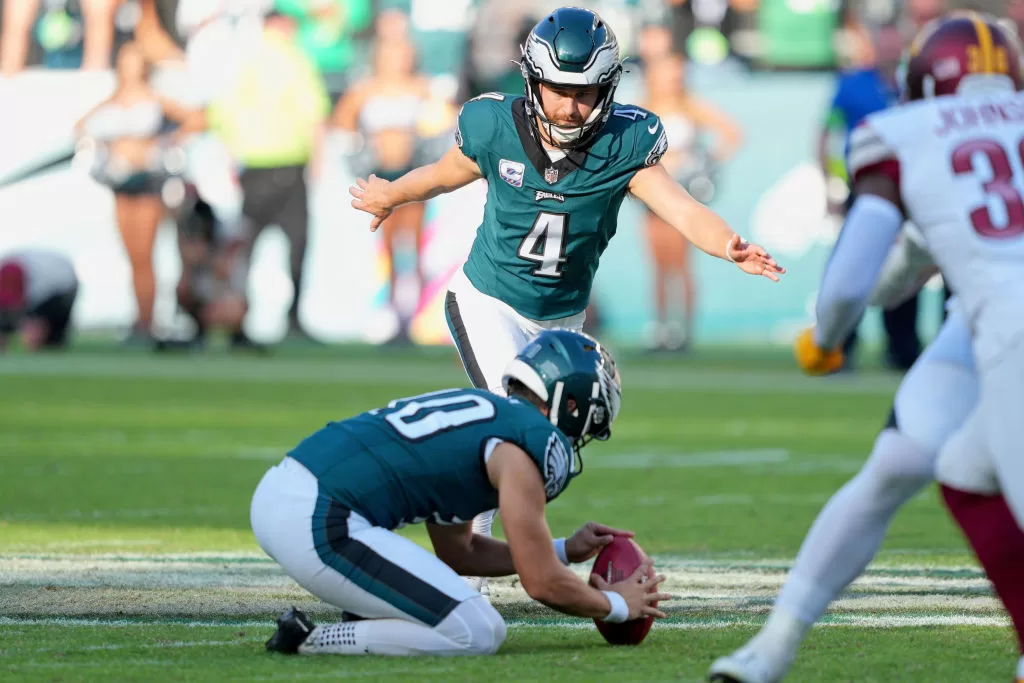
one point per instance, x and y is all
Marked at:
(559, 365)
(961, 52)
(571, 47)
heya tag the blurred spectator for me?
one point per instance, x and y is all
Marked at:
(214, 275)
(37, 293)
(391, 23)
(327, 31)
(655, 43)
(384, 111)
(798, 36)
(155, 33)
(272, 120)
(706, 31)
(440, 30)
(869, 85)
(72, 33)
(685, 117)
(919, 12)
(129, 158)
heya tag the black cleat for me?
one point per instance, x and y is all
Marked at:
(722, 678)
(293, 627)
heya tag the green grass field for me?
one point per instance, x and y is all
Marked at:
(125, 550)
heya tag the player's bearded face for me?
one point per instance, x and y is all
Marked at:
(568, 106)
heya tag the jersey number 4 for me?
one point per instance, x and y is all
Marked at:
(545, 244)
(424, 416)
(999, 186)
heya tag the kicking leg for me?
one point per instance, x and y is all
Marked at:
(487, 337)
(932, 402)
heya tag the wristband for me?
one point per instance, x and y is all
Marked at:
(620, 610)
(728, 251)
(560, 551)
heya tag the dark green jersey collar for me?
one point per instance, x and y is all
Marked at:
(552, 172)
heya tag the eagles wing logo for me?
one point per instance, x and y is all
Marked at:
(458, 136)
(658, 151)
(556, 467)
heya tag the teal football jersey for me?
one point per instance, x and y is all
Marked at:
(546, 223)
(422, 458)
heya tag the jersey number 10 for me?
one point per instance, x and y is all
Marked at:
(1000, 185)
(424, 416)
(545, 244)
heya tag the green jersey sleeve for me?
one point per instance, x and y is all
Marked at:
(478, 126)
(642, 133)
(651, 142)
(552, 452)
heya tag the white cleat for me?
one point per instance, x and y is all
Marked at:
(746, 666)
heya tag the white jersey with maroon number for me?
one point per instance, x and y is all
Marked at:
(959, 164)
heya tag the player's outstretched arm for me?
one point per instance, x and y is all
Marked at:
(379, 198)
(870, 229)
(521, 503)
(699, 224)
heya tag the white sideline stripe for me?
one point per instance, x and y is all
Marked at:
(133, 623)
(726, 458)
(835, 620)
(844, 621)
(174, 644)
(423, 371)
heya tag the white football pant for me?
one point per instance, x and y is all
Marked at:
(488, 333)
(986, 455)
(412, 602)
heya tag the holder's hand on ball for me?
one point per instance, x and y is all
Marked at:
(640, 591)
(589, 539)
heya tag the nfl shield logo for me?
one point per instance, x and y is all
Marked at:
(551, 175)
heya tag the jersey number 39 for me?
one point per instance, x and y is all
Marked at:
(545, 244)
(1000, 186)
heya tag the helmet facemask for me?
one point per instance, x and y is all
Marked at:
(571, 48)
(567, 137)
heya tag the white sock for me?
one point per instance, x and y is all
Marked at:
(779, 639)
(850, 528)
(378, 637)
(1020, 669)
(483, 522)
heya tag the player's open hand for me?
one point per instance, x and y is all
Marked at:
(753, 259)
(589, 540)
(371, 196)
(640, 591)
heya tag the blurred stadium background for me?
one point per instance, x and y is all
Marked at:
(771, 66)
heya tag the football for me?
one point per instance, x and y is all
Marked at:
(614, 563)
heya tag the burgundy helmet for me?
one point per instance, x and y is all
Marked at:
(12, 285)
(955, 50)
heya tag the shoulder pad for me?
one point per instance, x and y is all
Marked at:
(870, 153)
(650, 142)
(478, 120)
